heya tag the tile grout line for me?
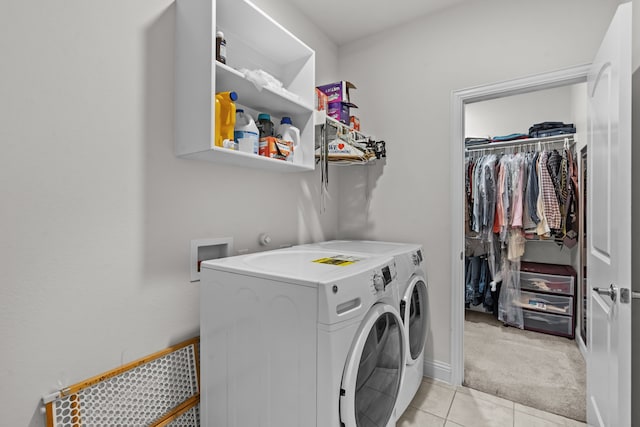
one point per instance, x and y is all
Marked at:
(446, 418)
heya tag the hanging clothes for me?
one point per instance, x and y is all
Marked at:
(510, 197)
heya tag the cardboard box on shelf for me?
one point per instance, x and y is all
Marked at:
(275, 148)
(322, 100)
(339, 92)
(354, 123)
(339, 111)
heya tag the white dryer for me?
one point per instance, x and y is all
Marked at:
(300, 337)
(412, 285)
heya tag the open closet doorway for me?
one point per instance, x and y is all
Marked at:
(538, 359)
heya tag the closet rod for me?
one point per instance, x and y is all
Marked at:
(523, 142)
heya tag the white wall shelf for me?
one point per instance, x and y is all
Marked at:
(254, 42)
(324, 124)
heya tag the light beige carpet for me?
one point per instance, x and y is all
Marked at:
(538, 370)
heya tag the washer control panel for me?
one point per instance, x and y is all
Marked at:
(382, 278)
(417, 257)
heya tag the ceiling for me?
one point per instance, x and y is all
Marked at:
(347, 20)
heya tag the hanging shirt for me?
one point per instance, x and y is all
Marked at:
(550, 201)
(498, 219)
(517, 190)
(476, 196)
(533, 188)
(554, 162)
(528, 225)
(488, 186)
(543, 227)
(516, 245)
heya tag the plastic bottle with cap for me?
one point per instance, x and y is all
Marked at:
(221, 47)
(265, 125)
(225, 119)
(288, 132)
(246, 133)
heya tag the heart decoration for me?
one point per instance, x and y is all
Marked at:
(340, 146)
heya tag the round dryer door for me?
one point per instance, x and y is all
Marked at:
(414, 316)
(374, 369)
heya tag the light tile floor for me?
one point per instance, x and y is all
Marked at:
(438, 404)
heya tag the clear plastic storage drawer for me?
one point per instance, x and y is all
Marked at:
(549, 323)
(546, 283)
(556, 304)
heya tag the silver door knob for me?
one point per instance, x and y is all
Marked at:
(612, 291)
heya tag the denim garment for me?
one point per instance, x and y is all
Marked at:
(477, 283)
(510, 137)
(549, 125)
(472, 278)
(488, 298)
(482, 283)
(552, 132)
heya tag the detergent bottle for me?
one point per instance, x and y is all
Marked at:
(288, 132)
(225, 119)
(246, 133)
(265, 125)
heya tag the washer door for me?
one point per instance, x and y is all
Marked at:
(374, 370)
(414, 317)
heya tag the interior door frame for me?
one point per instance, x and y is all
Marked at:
(459, 98)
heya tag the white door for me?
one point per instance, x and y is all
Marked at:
(609, 216)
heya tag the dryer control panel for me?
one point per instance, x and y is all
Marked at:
(354, 294)
(416, 257)
(383, 278)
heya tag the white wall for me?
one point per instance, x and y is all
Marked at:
(404, 94)
(97, 213)
(516, 113)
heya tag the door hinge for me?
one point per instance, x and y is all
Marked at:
(627, 295)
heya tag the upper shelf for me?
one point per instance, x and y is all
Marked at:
(264, 99)
(254, 42)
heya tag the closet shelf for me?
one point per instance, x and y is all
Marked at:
(568, 138)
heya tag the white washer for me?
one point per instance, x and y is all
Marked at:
(412, 285)
(296, 337)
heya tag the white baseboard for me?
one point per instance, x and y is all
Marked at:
(437, 370)
(581, 345)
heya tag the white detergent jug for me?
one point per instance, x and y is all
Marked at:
(246, 133)
(287, 132)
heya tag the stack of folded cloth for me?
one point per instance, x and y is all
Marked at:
(469, 142)
(540, 130)
(510, 137)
